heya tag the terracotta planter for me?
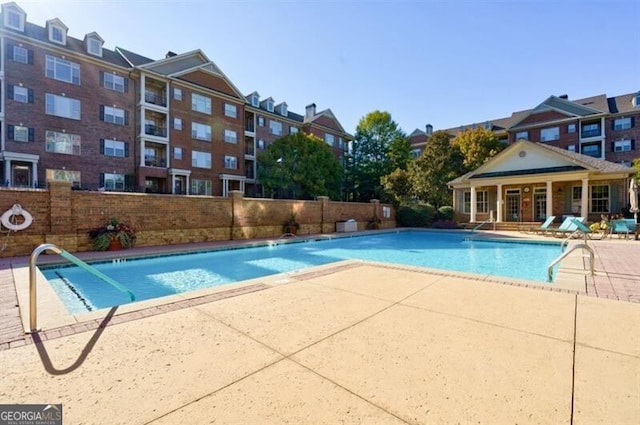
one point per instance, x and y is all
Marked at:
(115, 245)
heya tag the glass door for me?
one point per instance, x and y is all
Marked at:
(512, 205)
(540, 203)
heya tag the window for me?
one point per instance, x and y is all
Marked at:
(260, 144)
(623, 146)
(571, 148)
(64, 176)
(94, 46)
(230, 162)
(230, 136)
(255, 101)
(62, 106)
(283, 110)
(21, 94)
(113, 181)
(600, 199)
(329, 139)
(293, 129)
(230, 110)
(550, 134)
(201, 131)
(270, 105)
(261, 121)
(114, 82)
(275, 127)
(592, 149)
(177, 123)
(622, 123)
(62, 70)
(590, 130)
(65, 143)
(14, 20)
(571, 128)
(177, 153)
(340, 142)
(114, 148)
(20, 54)
(21, 134)
(113, 115)
(482, 202)
(57, 34)
(200, 103)
(201, 159)
(522, 135)
(200, 187)
(177, 93)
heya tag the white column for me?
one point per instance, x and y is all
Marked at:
(142, 153)
(187, 189)
(473, 205)
(549, 211)
(499, 203)
(584, 207)
(7, 171)
(225, 187)
(242, 186)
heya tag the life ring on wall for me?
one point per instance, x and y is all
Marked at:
(15, 210)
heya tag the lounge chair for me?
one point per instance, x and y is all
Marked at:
(620, 227)
(588, 233)
(567, 227)
(544, 227)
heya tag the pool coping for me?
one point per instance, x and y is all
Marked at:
(54, 321)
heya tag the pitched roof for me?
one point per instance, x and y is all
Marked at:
(133, 58)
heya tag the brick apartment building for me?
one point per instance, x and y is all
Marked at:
(601, 127)
(115, 120)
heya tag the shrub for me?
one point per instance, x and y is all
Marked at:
(416, 215)
(445, 213)
(444, 224)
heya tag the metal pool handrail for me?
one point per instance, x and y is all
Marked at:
(33, 308)
(563, 255)
(480, 225)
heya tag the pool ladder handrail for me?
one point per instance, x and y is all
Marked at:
(565, 242)
(33, 305)
(566, 253)
(481, 224)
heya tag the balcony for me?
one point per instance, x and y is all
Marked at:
(155, 98)
(249, 147)
(590, 130)
(154, 161)
(155, 130)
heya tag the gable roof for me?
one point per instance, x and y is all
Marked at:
(327, 113)
(527, 158)
(562, 106)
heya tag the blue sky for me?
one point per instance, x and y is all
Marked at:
(446, 63)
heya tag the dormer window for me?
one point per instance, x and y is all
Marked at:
(93, 43)
(14, 17)
(57, 32)
(270, 105)
(283, 109)
(636, 100)
(255, 100)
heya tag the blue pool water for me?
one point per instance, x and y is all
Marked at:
(159, 276)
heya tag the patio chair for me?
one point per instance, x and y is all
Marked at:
(544, 227)
(620, 227)
(567, 227)
(586, 231)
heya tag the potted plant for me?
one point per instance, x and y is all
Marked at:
(112, 236)
(291, 226)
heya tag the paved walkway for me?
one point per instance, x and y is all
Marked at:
(357, 343)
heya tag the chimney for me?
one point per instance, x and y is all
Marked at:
(564, 96)
(310, 110)
(170, 54)
(428, 130)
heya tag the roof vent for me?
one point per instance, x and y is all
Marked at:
(170, 54)
(564, 96)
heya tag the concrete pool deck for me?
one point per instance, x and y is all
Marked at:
(351, 343)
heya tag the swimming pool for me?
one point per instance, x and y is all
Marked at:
(167, 275)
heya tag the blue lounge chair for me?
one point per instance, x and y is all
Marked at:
(544, 227)
(588, 233)
(620, 227)
(567, 226)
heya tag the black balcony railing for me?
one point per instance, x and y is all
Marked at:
(152, 161)
(249, 127)
(155, 98)
(591, 133)
(154, 130)
(249, 149)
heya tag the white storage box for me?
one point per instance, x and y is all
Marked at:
(347, 226)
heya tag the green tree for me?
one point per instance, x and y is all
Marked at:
(300, 166)
(440, 163)
(636, 165)
(399, 186)
(477, 145)
(379, 146)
